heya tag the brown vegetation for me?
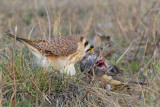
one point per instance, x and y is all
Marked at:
(132, 24)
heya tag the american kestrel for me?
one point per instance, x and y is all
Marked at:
(62, 52)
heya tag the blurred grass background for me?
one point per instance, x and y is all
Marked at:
(126, 21)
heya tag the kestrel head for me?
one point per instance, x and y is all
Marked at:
(88, 46)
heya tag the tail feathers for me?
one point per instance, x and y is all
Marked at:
(18, 38)
(33, 43)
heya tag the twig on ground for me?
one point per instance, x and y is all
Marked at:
(124, 53)
(139, 45)
(155, 45)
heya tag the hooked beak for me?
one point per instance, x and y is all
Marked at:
(92, 49)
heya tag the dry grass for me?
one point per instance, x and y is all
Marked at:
(133, 23)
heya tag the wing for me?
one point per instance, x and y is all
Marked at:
(60, 46)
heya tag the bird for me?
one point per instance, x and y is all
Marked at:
(104, 72)
(61, 52)
(100, 67)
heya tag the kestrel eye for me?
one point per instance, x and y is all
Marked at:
(91, 46)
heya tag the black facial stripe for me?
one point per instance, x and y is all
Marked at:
(81, 39)
(86, 43)
(88, 50)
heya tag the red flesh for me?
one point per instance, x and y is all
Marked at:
(101, 63)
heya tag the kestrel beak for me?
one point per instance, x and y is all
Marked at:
(92, 50)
